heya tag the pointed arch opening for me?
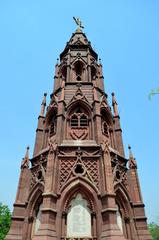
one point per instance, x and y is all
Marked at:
(124, 212)
(37, 219)
(107, 124)
(93, 73)
(51, 122)
(64, 72)
(79, 216)
(79, 122)
(78, 71)
(35, 200)
(105, 128)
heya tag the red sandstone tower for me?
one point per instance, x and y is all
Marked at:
(79, 185)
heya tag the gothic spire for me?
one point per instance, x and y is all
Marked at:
(132, 161)
(78, 41)
(25, 160)
(43, 105)
(115, 105)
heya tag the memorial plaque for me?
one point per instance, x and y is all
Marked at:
(38, 219)
(79, 218)
(119, 219)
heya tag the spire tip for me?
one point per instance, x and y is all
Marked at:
(114, 104)
(43, 105)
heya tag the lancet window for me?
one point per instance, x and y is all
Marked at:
(64, 72)
(93, 73)
(105, 128)
(53, 126)
(79, 119)
(78, 68)
(74, 121)
(79, 124)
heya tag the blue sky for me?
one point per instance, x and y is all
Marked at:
(125, 35)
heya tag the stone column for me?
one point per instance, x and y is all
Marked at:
(19, 211)
(117, 127)
(110, 229)
(97, 115)
(88, 68)
(140, 219)
(47, 230)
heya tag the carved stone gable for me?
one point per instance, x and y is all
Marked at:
(78, 95)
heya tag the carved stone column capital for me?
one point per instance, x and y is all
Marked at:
(105, 146)
(52, 145)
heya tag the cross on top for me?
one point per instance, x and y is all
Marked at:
(78, 22)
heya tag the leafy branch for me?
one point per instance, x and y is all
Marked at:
(153, 92)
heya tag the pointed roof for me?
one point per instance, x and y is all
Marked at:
(79, 38)
(115, 105)
(78, 41)
(43, 105)
(132, 161)
(25, 160)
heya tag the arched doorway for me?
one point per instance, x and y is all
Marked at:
(79, 218)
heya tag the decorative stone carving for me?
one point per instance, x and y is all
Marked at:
(132, 163)
(105, 146)
(65, 167)
(119, 172)
(103, 101)
(53, 104)
(78, 95)
(52, 145)
(38, 175)
(25, 160)
(66, 153)
(79, 133)
(25, 163)
(87, 153)
(34, 179)
(90, 166)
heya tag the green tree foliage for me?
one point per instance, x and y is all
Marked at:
(154, 230)
(5, 220)
(153, 92)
